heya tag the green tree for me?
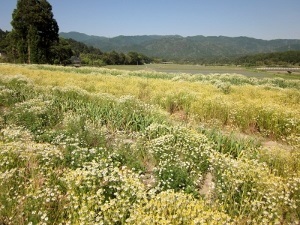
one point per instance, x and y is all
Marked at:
(62, 52)
(34, 31)
(3, 41)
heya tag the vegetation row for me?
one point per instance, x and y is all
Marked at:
(96, 146)
(64, 51)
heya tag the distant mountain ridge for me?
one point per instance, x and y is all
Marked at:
(192, 48)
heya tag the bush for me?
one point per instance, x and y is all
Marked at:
(176, 208)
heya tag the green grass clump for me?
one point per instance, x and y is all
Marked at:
(229, 143)
(248, 190)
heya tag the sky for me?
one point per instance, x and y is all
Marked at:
(262, 19)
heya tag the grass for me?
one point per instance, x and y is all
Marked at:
(102, 146)
(247, 103)
(202, 69)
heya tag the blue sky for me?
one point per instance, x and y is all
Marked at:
(264, 19)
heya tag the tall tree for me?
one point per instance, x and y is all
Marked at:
(62, 52)
(34, 30)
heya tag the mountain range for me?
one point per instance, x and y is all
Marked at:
(192, 48)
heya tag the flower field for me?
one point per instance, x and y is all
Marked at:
(103, 146)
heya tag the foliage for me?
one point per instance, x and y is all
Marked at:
(181, 156)
(194, 49)
(170, 207)
(271, 59)
(247, 189)
(3, 41)
(132, 58)
(229, 143)
(34, 31)
(77, 147)
(34, 39)
(62, 51)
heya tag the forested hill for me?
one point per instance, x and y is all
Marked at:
(183, 49)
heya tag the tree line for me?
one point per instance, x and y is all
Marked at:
(93, 56)
(287, 58)
(35, 39)
(62, 51)
(65, 50)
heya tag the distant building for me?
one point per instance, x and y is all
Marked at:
(2, 55)
(76, 61)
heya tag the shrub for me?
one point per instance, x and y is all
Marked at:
(169, 207)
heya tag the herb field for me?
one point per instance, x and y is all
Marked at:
(103, 146)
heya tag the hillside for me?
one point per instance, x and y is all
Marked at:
(271, 59)
(194, 48)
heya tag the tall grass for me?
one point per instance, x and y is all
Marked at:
(106, 147)
(248, 104)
